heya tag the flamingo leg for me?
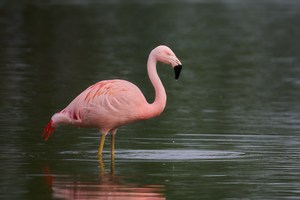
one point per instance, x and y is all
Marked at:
(101, 166)
(112, 152)
(101, 145)
(112, 143)
(112, 147)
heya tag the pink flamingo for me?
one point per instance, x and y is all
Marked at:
(110, 104)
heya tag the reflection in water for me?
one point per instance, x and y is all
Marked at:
(107, 186)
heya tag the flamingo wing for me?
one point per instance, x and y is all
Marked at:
(106, 104)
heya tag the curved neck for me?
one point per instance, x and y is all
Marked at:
(160, 94)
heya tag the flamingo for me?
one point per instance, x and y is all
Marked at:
(109, 104)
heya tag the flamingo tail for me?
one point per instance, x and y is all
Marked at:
(48, 130)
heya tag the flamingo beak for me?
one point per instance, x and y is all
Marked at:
(177, 70)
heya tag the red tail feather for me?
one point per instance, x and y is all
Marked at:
(48, 130)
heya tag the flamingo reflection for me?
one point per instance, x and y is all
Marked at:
(107, 186)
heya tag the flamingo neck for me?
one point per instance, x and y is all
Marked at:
(160, 94)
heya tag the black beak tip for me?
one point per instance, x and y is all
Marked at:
(177, 70)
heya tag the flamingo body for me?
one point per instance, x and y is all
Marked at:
(110, 104)
(105, 105)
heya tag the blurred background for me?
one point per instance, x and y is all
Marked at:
(231, 126)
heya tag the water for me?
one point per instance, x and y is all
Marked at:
(231, 126)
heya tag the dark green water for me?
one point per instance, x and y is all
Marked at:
(231, 128)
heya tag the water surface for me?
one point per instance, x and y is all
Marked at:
(231, 126)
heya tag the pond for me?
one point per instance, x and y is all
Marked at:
(231, 127)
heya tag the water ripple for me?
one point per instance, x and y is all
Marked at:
(176, 154)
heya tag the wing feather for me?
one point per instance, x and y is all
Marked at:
(106, 101)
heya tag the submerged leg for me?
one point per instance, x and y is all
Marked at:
(101, 145)
(101, 166)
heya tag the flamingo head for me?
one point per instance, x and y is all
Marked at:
(165, 55)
